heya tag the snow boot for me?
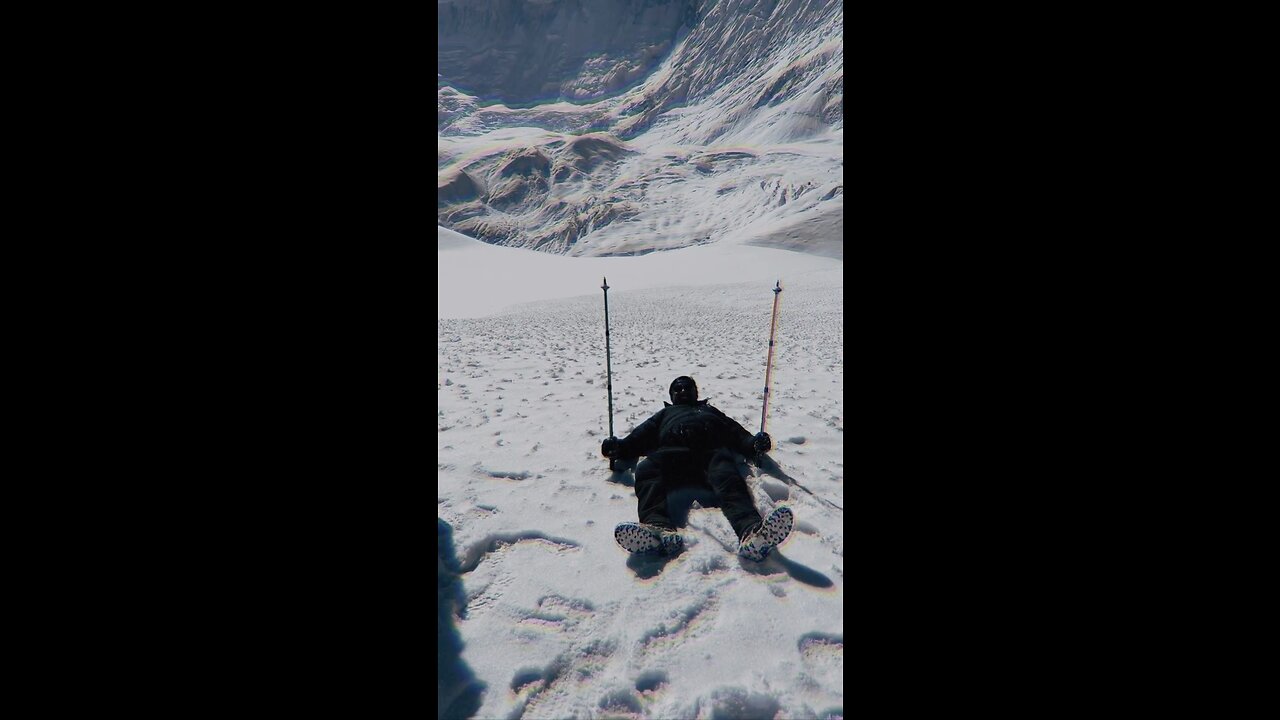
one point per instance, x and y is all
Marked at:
(757, 543)
(649, 539)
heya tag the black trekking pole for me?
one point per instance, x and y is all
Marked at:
(768, 367)
(607, 362)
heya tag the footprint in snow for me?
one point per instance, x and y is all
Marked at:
(497, 541)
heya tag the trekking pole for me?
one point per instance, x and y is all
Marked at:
(768, 366)
(607, 362)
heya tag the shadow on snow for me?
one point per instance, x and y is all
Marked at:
(459, 690)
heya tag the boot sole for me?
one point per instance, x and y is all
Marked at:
(772, 533)
(635, 538)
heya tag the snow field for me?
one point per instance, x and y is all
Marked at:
(558, 620)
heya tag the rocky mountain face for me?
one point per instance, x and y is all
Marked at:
(598, 127)
(523, 52)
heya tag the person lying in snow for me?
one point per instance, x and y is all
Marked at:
(690, 442)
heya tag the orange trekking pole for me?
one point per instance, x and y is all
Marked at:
(768, 367)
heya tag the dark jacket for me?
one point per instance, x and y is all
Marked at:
(698, 427)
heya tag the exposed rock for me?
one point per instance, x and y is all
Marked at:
(692, 121)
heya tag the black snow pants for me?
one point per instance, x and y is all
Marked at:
(670, 468)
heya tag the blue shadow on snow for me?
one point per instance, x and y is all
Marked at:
(459, 690)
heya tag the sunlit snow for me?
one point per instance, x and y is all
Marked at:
(693, 190)
(554, 619)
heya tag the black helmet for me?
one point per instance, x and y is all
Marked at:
(682, 383)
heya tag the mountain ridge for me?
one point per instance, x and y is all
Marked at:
(760, 78)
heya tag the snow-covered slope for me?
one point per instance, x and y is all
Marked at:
(475, 279)
(707, 121)
(543, 615)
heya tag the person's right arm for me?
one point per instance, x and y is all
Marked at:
(642, 441)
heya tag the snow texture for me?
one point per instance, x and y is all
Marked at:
(544, 616)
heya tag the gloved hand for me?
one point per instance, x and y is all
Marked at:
(610, 447)
(761, 443)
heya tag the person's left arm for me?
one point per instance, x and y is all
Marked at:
(741, 440)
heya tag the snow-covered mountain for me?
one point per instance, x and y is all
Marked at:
(619, 127)
(542, 615)
(691, 151)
